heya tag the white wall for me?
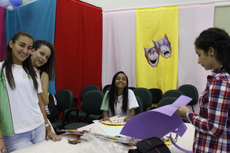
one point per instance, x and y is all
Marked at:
(128, 4)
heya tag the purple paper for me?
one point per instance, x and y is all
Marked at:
(182, 130)
(170, 109)
(184, 150)
(182, 100)
(157, 122)
(166, 110)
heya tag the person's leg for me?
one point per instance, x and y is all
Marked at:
(17, 141)
(39, 134)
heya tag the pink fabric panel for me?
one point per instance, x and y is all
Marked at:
(2, 33)
(119, 45)
(193, 19)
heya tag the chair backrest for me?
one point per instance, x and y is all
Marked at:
(156, 95)
(92, 101)
(106, 87)
(166, 101)
(139, 109)
(190, 91)
(89, 88)
(132, 88)
(145, 96)
(64, 99)
(172, 93)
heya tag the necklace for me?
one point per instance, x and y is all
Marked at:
(118, 98)
(23, 73)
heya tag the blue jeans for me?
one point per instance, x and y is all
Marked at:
(18, 141)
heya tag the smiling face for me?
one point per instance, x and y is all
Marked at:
(40, 56)
(205, 59)
(152, 56)
(121, 81)
(21, 49)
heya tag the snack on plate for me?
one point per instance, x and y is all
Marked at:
(114, 121)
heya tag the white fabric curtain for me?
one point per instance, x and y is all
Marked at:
(193, 19)
(119, 45)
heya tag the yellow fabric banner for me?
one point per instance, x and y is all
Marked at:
(157, 47)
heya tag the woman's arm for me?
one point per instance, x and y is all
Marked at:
(216, 110)
(131, 114)
(132, 105)
(45, 88)
(105, 116)
(105, 107)
(2, 147)
(49, 133)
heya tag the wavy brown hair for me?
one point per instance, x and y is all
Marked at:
(49, 66)
(220, 41)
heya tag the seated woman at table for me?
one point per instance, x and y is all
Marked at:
(119, 100)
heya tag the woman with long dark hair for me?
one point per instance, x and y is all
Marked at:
(119, 100)
(23, 120)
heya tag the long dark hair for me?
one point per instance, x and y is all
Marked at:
(113, 92)
(220, 41)
(49, 66)
(27, 64)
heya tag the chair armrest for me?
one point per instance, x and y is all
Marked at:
(66, 114)
(75, 102)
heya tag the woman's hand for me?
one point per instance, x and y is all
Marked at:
(131, 114)
(105, 116)
(182, 110)
(51, 135)
(127, 118)
(105, 119)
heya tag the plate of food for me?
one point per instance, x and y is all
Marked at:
(114, 121)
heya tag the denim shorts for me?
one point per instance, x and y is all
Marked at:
(18, 141)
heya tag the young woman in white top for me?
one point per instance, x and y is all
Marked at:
(43, 59)
(119, 100)
(23, 120)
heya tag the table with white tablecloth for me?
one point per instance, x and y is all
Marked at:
(97, 145)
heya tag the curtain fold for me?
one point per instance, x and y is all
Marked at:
(193, 19)
(2, 33)
(38, 18)
(152, 24)
(119, 49)
(78, 43)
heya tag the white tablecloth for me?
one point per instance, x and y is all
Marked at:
(98, 146)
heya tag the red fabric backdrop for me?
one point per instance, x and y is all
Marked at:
(2, 33)
(78, 43)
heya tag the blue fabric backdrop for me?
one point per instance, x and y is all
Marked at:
(38, 18)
